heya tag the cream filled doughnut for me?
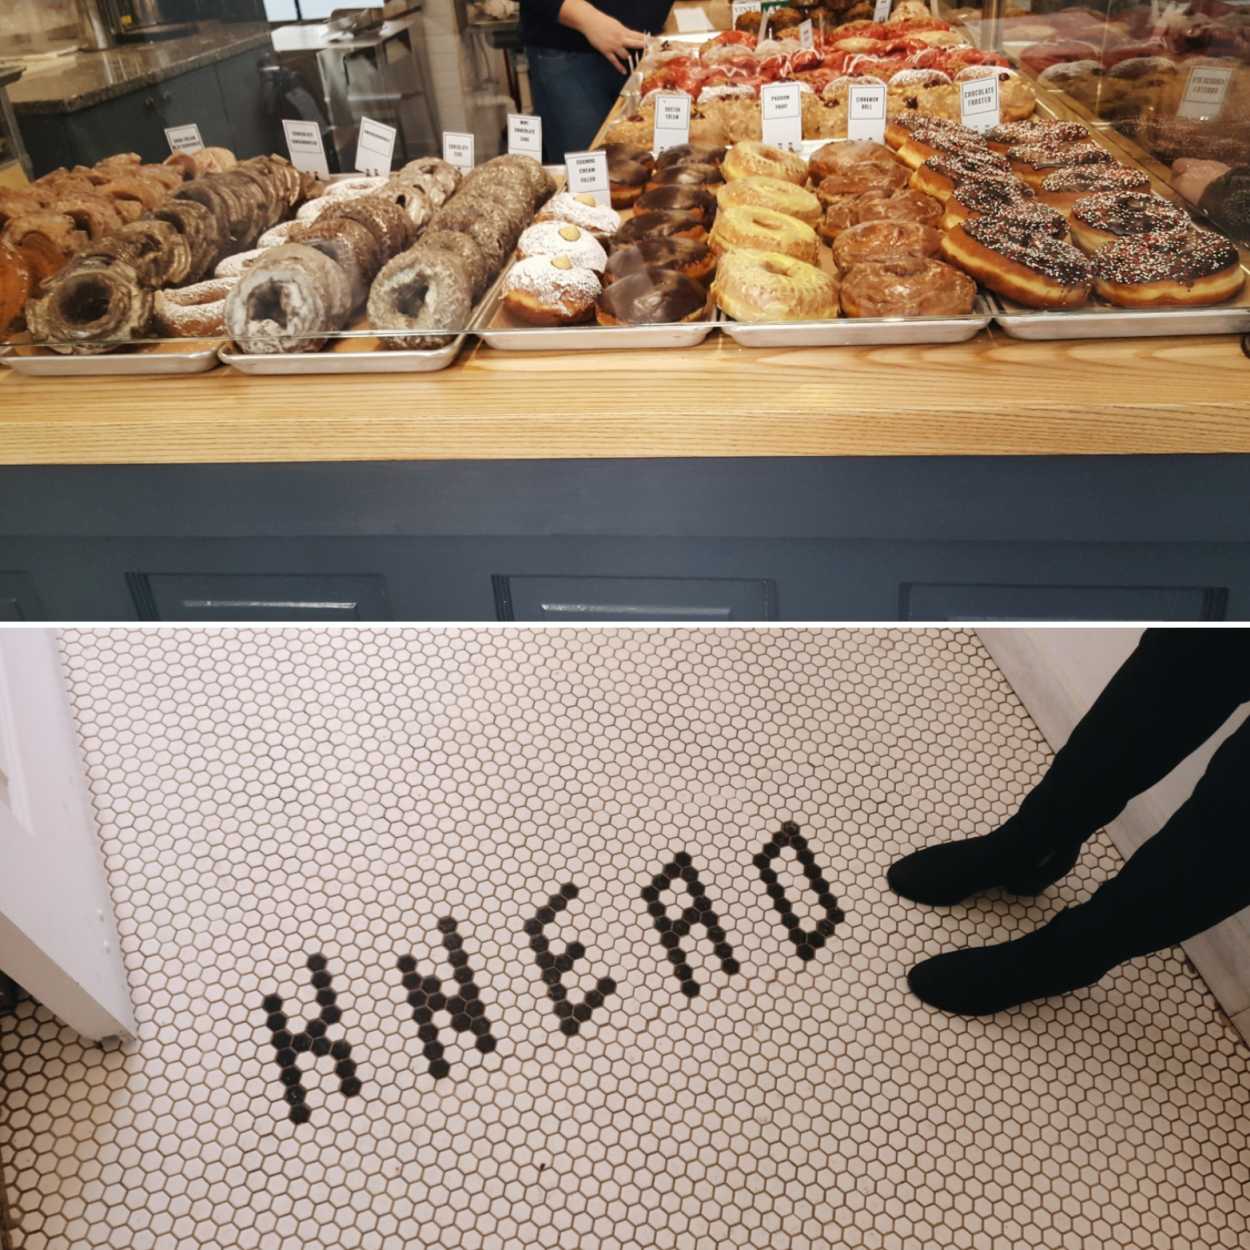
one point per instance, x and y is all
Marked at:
(562, 238)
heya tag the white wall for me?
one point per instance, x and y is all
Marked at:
(1058, 673)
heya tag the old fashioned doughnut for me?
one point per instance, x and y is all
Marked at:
(841, 158)
(665, 225)
(214, 161)
(1100, 219)
(768, 286)
(468, 254)
(904, 205)
(1037, 269)
(752, 157)
(689, 154)
(541, 184)
(688, 257)
(860, 180)
(421, 300)
(629, 168)
(1172, 269)
(883, 240)
(652, 297)
(91, 310)
(773, 193)
(204, 233)
(45, 241)
(95, 215)
(941, 174)
(162, 175)
(551, 291)
(288, 302)
(763, 230)
(562, 238)
(907, 286)
(355, 188)
(445, 174)
(701, 176)
(581, 210)
(1064, 187)
(1034, 162)
(351, 246)
(162, 256)
(197, 311)
(694, 200)
(15, 286)
(976, 197)
(389, 224)
(140, 194)
(414, 200)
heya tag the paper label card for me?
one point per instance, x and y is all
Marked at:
(459, 150)
(766, 8)
(807, 37)
(781, 115)
(865, 118)
(672, 120)
(375, 147)
(184, 138)
(587, 174)
(525, 136)
(1205, 89)
(307, 152)
(739, 7)
(881, 10)
(978, 103)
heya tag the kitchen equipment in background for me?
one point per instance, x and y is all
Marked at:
(15, 167)
(149, 19)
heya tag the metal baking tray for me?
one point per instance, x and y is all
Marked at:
(860, 331)
(1100, 321)
(362, 360)
(596, 338)
(156, 360)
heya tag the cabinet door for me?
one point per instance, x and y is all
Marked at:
(937, 601)
(533, 598)
(18, 601)
(259, 597)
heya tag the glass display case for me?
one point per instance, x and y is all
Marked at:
(313, 197)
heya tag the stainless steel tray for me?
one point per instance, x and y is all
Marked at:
(163, 361)
(1104, 322)
(596, 338)
(861, 331)
(378, 361)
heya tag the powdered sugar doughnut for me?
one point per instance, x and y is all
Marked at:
(276, 236)
(313, 209)
(233, 266)
(352, 188)
(581, 210)
(189, 312)
(919, 78)
(551, 290)
(562, 238)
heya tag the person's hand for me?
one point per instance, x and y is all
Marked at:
(1193, 177)
(605, 34)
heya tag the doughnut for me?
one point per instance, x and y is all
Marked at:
(45, 241)
(214, 161)
(861, 179)
(1031, 218)
(134, 191)
(1007, 135)
(1036, 270)
(91, 310)
(278, 234)
(752, 157)
(562, 238)
(433, 190)
(234, 265)
(1033, 162)
(667, 225)
(922, 145)
(1175, 268)
(184, 163)
(389, 224)
(446, 175)
(768, 286)
(687, 257)
(202, 230)
(629, 168)
(15, 286)
(652, 297)
(848, 158)
(976, 197)
(162, 256)
(351, 246)
(689, 154)
(883, 240)
(581, 210)
(907, 286)
(95, 215)
(551, 291)
(509, 202)
(763, 230)
(694, 200)
(1111, 215)
(162, 175)
(774, 193)
(469, 255)
(842, 211)
(414, 200)
(685, 176)
(313, 209)
(197, 311)
(224, 201)
(904, 205)
(288, 302)
(354, 188)
(1064, 187)
(941, 174)
(541, 184)
(900, 127)
(424, 293)
(18, 204)
(495, 232)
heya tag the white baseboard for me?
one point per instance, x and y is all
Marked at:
(1058, 673)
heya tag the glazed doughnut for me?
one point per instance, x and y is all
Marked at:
(15, 286)
(687, 257)
(445, 174)
(423, 293)
(45, 241)
(1007, 135)
(351, 245)
(883, 240)
(91, 310)
(551, 291)
(289, 302)
(95, 215)
(753, 157)
(18, 204)
(562, 238)
(162, 175)
(694, 200)
(470, 257)
(1036, 270)
(698, 176)
(689, 154)
(907, 286)
(904, 205)
(652, 297)
(774, 193)
(861, 179)
(666, 225)
(841, 158)
(581, 210)
(763, 230)
(940, 175)
(768, 286)
(214, 161)
(629, 168)
(1064, 187)
(1176, 268)
(1100, 219)
(197, 311)
(977, 197)
(184, 163)
(1034, 162)
(135, 191)
(842, 211)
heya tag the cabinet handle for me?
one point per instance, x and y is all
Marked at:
(166, 98)
(149, 103)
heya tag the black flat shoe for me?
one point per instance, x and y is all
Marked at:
(943, 875)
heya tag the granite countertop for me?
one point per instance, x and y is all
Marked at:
(93, 77)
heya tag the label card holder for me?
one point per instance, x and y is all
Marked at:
(1205, 91)
(587, 174)
(307, 152)
(978, 103)
(184, 138)
(881, 10)
(672, 120)
(807, 38)
(525, 136)
(459, 149)
(781, 115)
(865, 118)
(375, 147)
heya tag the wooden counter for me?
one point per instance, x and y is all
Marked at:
(994, 396)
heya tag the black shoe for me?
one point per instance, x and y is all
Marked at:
(979, 981)
(943, 875)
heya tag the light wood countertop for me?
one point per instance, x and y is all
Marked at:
(992, 396)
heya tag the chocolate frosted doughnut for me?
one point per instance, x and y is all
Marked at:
(469, 255)
(645, 225)
(351, 246)
(1038, 251)
(1099, 177)
(383, 218)
(1035, 130)
(1030, 218)
(689, 154)
(1178, 267)
(1123, 213)
(91, 310)
(685, 176)
(288, 302)
(688, 257)
(694, 200)
(990, 194)
(629, 167)
(200, 227)
(652, 297)
(161, 256)
(422, 290)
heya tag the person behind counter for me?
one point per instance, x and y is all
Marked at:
(1220, 191)
(579, 57)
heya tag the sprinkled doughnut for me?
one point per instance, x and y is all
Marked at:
(1035, 161)
(991, 194)
(940, 175)
(424, 293)
(1111, 215)
(1176, 268)
(1034, 269)
(197, 311)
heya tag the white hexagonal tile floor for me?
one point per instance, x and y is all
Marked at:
(482, 939)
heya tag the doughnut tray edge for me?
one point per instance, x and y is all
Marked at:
(107, 364)
(1095, 322)
(860, 331)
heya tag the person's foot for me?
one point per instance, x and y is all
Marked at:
(943, 875)
(979, 981)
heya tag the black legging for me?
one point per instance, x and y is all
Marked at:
(1176, 689)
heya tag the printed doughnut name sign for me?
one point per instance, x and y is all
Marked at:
(587, 174)
(439, 1007)
(672, 120)
(978, 103)
(865, 116)
(304, 145)
(459, 149)
(781, 115)
(807, 37)
(184, 138)
(881, 10)
(525, 135)
(740, 7)
(375, 147)
(1205, 90)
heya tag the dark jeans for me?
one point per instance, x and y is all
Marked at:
(573, 93)
(1170, 696)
